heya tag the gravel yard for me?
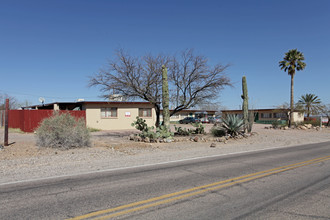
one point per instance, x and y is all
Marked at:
(23, 160)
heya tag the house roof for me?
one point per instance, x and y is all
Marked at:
(257, 110)
(194, 111)
(85, 102)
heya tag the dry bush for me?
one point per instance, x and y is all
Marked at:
(63, 131)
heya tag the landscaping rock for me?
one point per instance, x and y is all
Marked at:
(147, 140)
(168, 140)
(213, 145)
(196, 139)
(222, 139)
(308, 126)
(131, 137)
(137, 138)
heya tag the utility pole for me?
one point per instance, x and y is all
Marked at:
(6, 123)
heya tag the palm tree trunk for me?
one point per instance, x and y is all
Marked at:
(291, 102)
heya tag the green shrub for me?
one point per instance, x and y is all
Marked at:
(217, 131)
(276, 124)
(161, 132)
(182, 132)
(63, 131)
(93, 129)
(233, 125)
(315, 123)
(200, 129)
(141, 125)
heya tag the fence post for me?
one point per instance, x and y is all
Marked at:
(6, 123)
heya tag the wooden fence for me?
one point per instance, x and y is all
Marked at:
(29, 120)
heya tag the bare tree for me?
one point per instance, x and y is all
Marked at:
(191, 79)
(134, 78)
(13, 103)
(194, 81)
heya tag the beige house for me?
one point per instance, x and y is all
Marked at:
(267, 116)
(107, 115)
(189, 113)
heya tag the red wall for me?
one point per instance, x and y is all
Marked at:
(29, 120)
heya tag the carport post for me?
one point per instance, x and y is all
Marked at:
(6, 123)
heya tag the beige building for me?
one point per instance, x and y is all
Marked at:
(189, 113)
(267, 116)
(107, 115)
(117, 115)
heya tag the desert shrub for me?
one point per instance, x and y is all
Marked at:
(63, 131)
(218, 131)
(93, 129)
(315, 123)
(141, 125)
(161, 132)
(200, 129)
(182, 131)
(233, 125)
(276, 124)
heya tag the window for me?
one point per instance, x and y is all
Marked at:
(108, 112)
(280, 115)
(266, 115)
(144, 112)
(175, 116)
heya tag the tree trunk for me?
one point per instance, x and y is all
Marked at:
(308, 112)
(165, 93)
(291, 102)
(157, 109)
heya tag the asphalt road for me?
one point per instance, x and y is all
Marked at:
(287, 183)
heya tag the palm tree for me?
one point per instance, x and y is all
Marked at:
(310, 103)
(291, 62)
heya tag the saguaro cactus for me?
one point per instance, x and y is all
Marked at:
(245, 104)
(166, 110)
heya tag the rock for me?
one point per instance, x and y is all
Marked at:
(303, 128)
(266, 127)
(131, 137)
(168, 140)
(137, 138)
(286, 128)
(225, 142)
(213, 145)
(222, 139)
(308, 126)
(196, 139)
(147, 140)
(1, 147)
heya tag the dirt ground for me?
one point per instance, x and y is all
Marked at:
(23, 145)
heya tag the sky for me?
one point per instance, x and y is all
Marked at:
(50, 48)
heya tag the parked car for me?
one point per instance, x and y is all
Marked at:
(187, 120)
(214, 120)
(204, 120)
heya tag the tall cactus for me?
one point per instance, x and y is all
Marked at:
(166, 110)
(245, 104)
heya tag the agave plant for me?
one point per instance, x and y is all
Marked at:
(233, 125)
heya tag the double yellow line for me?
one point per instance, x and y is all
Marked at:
(156, 201)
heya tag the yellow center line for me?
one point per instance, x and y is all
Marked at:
(190, 192)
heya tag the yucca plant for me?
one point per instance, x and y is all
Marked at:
(233, 125)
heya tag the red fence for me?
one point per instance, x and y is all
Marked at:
(29, 120)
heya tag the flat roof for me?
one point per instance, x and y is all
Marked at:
(88, 102)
